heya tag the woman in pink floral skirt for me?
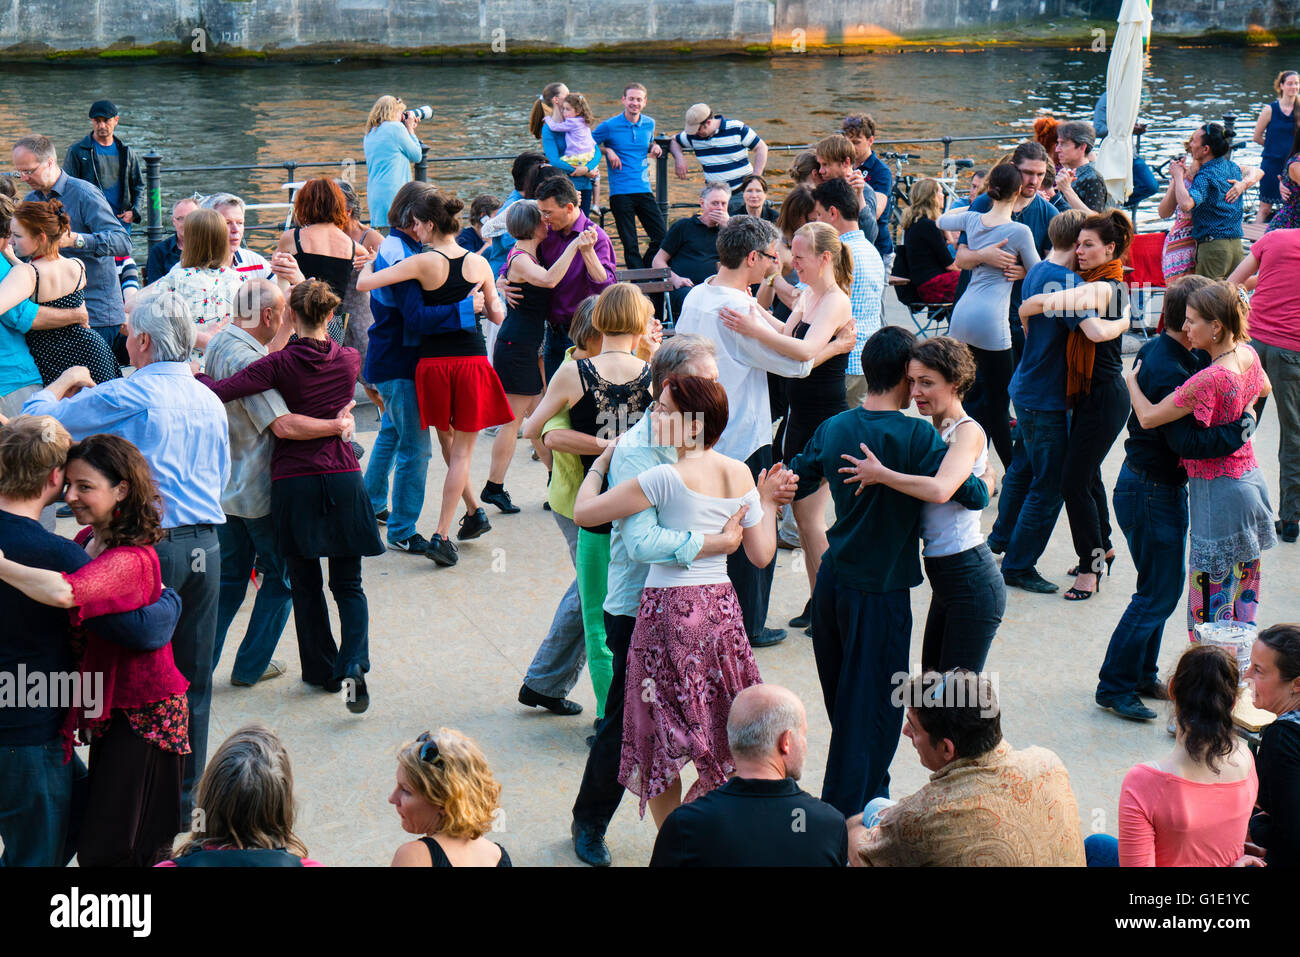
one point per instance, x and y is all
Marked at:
(689, 656)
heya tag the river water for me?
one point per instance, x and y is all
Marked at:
(220, 114)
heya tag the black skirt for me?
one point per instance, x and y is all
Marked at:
(324, 516)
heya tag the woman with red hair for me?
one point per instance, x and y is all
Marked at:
(689, 656)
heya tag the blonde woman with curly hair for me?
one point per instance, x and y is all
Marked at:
(446, 793)
(391, 146)
(244, 808)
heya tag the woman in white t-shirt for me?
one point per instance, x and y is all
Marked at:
(968, 594)
(689, 656)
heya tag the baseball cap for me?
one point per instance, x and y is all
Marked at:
(102, 110)
(695, 117)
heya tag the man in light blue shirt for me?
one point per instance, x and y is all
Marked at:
(635, 543)
(628, 141)
(180, 427)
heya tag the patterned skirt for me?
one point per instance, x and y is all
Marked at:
(1231, 521)
(688, 659)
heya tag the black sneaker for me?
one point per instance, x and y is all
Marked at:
(358, 450)
(1126, 706)
(500, 499)
(382, 517)
(472, 526)
(417, 544)
(1029, 580)
(441, 551)
(1287, 531)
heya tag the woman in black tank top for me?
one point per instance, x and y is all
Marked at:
(458, 391)
(321, 206)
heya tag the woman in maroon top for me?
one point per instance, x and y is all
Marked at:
(318, 500)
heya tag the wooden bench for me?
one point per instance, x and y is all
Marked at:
(651, 281)
(1253, 231)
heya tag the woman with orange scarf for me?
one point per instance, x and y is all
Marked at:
(1095, 392)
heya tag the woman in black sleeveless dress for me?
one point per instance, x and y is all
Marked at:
(515, 355)
(321, 209)
(820, 328)
(458, 391)
(36, 230)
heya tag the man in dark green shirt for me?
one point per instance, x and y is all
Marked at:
(861, 611)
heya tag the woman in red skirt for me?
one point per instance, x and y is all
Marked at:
(458, 390)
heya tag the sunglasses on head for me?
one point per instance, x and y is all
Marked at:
(428, 748)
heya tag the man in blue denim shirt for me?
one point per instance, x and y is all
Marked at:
(97, 234)
(628, 141)
(635, 543)
(1216, 222)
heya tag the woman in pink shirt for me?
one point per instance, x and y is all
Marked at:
(1192, 807)
(1231, 518)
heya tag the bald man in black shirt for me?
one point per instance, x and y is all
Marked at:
(759, 818)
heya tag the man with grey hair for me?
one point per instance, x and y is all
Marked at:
(690, 247)
(746, 254)
(166, 254)
(180, 427)
(1077, 178)
(97, 234)
(243, 261)
(636, 542)
(248, 538)
(760, 817)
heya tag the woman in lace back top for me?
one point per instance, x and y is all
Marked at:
(59, 283)
(1231, 518)
(689, 645)
(138, 727)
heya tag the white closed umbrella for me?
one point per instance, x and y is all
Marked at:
(1114, 159)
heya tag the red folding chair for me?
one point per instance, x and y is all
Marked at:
(1147, 274)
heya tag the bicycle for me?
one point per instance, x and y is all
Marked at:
(901, 194)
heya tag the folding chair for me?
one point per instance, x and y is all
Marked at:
(1146, 279)
(930, 318)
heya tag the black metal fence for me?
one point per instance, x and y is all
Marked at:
(154, 168)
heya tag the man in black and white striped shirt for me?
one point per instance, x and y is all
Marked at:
(721, 145)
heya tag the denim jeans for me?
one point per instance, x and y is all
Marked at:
(554, 345)
(558, 662)
(1153, 517)
(1030, 500)
(245, 542)
(36, 804)
(403, 441)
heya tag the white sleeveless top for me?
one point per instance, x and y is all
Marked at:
(684, 509)
(948, 528)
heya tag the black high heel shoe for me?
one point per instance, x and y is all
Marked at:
(1110, 560)
(1078, 594)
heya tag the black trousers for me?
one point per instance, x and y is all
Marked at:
(1094, 425)
(190, 557)
(993, 375)
(323, 662)
(753, 584)
(627, 209)
(133, 806)
(600, 792)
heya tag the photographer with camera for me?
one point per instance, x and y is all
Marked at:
(391, 146)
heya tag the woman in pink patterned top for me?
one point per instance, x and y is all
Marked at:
(1231, 518)
(133, 711)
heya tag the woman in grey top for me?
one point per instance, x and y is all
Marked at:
(980, 318)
